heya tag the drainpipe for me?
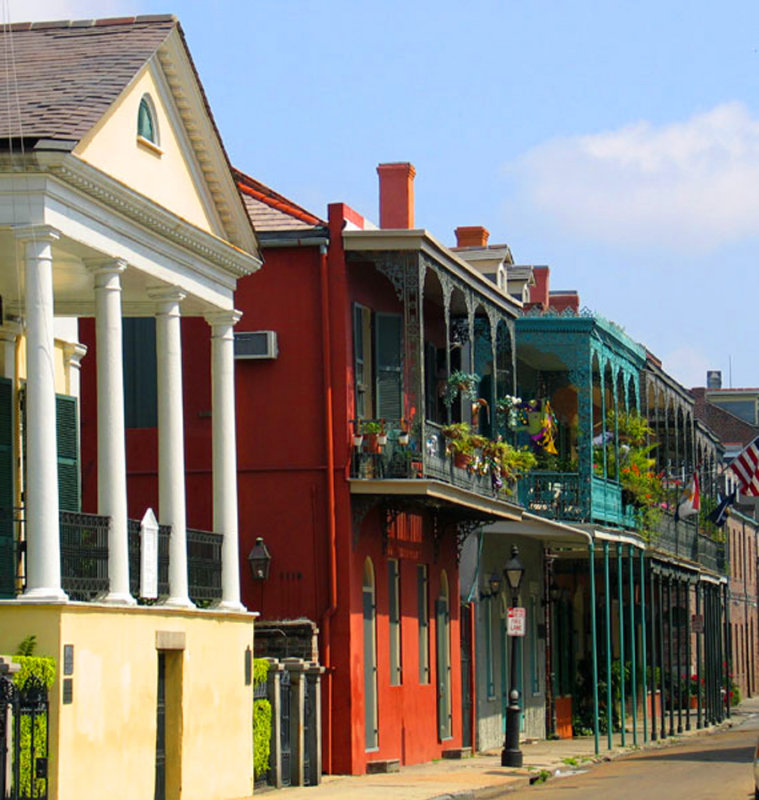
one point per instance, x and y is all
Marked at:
(326, 623)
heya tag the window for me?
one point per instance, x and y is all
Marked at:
(377, 341)
(424, 623)
(394, 612)
(146, 121)
(140, 372)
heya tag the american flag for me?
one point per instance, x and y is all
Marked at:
(745, 467)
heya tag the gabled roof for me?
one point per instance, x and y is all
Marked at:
(61, 77)
(272, 212)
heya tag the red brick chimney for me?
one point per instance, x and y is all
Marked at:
(472, 236)
(540, 292)
(396, 195)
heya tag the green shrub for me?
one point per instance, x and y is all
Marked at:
(261, 736)
(261, 721)
(43, 669)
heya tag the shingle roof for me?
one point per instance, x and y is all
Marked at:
(729, 428)
(61, 77)
(270, 211)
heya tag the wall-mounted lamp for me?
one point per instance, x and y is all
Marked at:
(259, 559)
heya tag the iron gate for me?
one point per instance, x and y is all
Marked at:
(23, 740)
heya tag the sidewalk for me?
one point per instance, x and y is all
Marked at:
(482, 777)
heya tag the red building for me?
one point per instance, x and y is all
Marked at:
(350, 329)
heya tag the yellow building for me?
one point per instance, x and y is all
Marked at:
(117, 200)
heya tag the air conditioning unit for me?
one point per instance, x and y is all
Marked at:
(256, 344)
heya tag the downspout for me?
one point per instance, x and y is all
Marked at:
(326, 623)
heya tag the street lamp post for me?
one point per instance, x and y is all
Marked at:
(511, 755)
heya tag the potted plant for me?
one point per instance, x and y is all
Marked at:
(372, 430)
(461, 384)
(461, 443)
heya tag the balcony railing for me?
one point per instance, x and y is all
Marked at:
(418, 460)
(682, 539)
(84, 554)
(84, 557)
(204, 565)
(555, 495)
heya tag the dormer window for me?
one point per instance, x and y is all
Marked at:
(147, 125)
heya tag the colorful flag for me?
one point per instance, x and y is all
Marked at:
(745, 467)
(719, 515)
(690, 501)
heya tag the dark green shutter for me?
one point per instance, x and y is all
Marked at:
(7, 560)
(68, 452)
(388, 329)
(140, 372)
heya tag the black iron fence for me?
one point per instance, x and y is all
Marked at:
(84, 557)
(23, 740)
(204, 565)
(84, 554)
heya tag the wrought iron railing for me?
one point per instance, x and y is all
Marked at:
(135, 556)
(683, 540)
(409, 458)
(204, 565)
(84, 554)
(555, 495)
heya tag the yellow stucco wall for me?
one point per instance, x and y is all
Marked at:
(103, 743)
(166, 178)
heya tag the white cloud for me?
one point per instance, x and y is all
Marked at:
(689, 186)
(44, 10)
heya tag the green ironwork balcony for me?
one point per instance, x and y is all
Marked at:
(559, 496)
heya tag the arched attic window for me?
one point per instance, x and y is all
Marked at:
(147, 125)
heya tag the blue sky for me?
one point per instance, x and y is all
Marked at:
(617, 142)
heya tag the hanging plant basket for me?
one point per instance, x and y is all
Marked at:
(358, 440)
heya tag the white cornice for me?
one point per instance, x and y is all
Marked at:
(204, 139)
(125, 201)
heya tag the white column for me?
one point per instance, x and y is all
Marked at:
(112, 483)
(9, 333)
(225, 453)
(171, 466)
(43, 550)
(73, 353)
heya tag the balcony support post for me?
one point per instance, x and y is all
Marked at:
(621, 606)
(43, 547)
(670, 659)
(112, 482)
(679, 655)
(643, 652)
(607, 605)
(699, 701)
(686, 588)
(171, 466)
(662, 684)
(594, 639)
(225, 454)
(633, 653)
(654, 618)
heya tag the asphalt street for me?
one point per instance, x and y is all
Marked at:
(711, 767)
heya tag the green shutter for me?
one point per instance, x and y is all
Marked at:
(140, 372)
(67, 434)
(359, 367)
(388, 329)
(7, 560)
